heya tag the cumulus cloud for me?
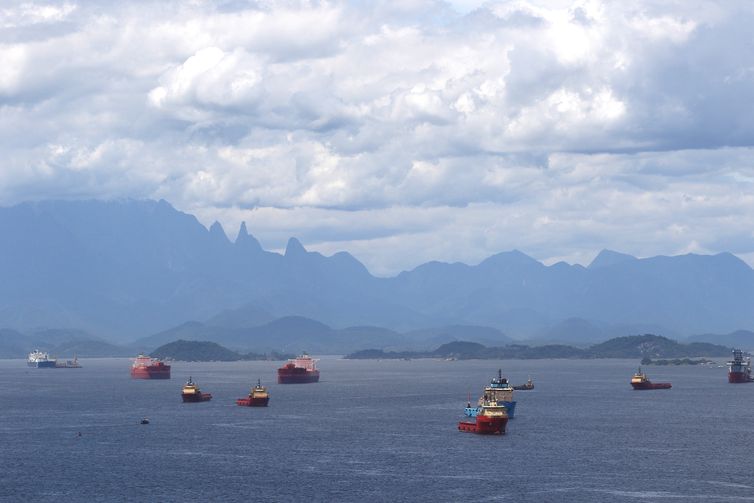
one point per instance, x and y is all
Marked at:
(401, 131)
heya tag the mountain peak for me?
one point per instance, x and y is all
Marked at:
(217, 231)
(294, 248)
(607, 258)
(247, 240)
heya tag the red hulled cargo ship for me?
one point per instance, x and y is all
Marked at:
(191, 393)
(258, 397)
(640, 381)
(299, 370)
(491, 419)
(739, 369)
(145, 367)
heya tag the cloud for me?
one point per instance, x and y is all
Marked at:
(436, 130)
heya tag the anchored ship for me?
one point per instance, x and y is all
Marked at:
(68, 364)
(145, 367)
(739, 369)
(299, 370)
(258, 397)
(641, 381)
(500, 391)
(524, 387)
(41, 360)
(191, 393)
(491, 418)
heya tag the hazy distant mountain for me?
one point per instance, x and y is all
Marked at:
(741, 339)
(61, 343)
(125, 269)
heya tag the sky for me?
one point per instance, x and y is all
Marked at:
(402, 132)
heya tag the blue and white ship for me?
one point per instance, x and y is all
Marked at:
(41, 360)
(500, 391)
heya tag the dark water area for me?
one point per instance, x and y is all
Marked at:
(374, 431)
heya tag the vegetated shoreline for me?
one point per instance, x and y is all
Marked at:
(205, 351)
(636, 346)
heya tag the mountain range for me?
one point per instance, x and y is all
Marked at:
(126, 270)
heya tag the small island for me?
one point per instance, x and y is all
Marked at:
(676, 361)
(205, 351)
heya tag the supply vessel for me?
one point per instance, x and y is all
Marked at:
(68, 364)
(41, 360)
(640, 381)
(191, 393)
(739, 368)
(145, 367)
(258, 397)
(491, 419)
(299, 370)
(500, 391)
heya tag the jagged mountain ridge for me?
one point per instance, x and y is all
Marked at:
(126, 269)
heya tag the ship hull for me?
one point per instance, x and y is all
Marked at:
(739, 377)
(485, 425)
(196, 397)
(293, 377)
(50, 364)
(651, 385)
(253, 402)
(150, 373)
(510, 408)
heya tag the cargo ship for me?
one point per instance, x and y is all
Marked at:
(191, 393)
(500, 391)
(491, 419)
(299, 370)
(41, 360)
(258, 397)
(68, 364)
(739, 368)
(525, 387)
(640, 381)
(145, 367)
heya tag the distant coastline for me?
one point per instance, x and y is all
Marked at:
(636, 346)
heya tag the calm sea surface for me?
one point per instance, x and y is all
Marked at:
(374, 431)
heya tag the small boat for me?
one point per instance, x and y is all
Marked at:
(525, 387)
(491, 419)
(145, 421)
(191, 393)
(641, 381)
(258, 397)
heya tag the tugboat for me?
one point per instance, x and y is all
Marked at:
(299, 370)
(525, 387)
(640, 381)
(491, 419)
(41, 360)
(145, 367)
(191, 393)
(258, 397)
(739, 369)
(500, 391)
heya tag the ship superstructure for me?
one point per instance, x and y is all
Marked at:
(41, 360)
(739, 368)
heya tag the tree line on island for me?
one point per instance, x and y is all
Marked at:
(646, 346)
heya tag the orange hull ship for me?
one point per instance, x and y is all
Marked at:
(258, 397)
(299, 370)
(640, 381)
(491, 419)
(145, 367)
(191, 393)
